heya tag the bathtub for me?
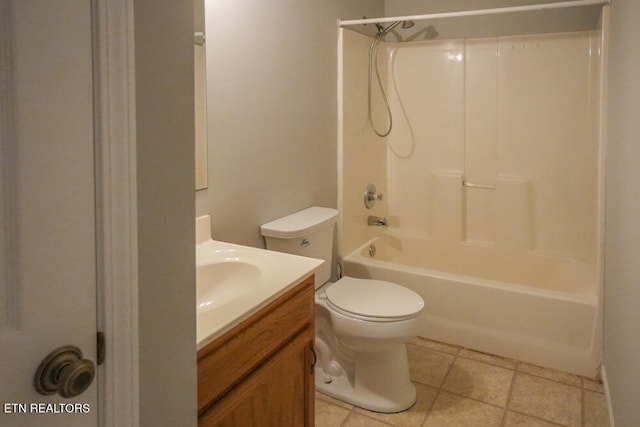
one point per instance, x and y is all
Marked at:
(536, 308)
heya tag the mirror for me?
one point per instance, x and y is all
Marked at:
(200, 95)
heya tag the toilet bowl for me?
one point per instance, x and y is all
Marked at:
(362, 325)
(361, 350)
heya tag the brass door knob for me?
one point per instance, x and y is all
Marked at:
(65, 372)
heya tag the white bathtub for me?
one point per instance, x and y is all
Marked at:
(535, 308)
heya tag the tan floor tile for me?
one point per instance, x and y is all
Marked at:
(595, 410)
(435, 345)
(427, 366)
(592, 385)
(414, 416)
(333, 401)
(479, 381)
(328, 415)
(519, 420)
(540, 397)
(549, 400)
(550, 374)
(455, 411)
(359, 420)
(503, 362)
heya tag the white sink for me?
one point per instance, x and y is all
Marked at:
(221, 282)
(234, 281)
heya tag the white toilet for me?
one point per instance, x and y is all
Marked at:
(362, 325)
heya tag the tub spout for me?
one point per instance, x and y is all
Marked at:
(377, 221)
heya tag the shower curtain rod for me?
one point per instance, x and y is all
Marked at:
(494, 11)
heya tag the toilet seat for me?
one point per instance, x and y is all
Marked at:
(373, 300)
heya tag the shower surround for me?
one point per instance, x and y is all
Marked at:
(493, 187)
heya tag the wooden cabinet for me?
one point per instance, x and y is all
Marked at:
(260, 372)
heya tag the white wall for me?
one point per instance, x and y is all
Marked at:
(166, 235)
(622, 270)
(272, 110)
(559, 20)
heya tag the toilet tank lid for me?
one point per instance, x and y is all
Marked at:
(300, 223)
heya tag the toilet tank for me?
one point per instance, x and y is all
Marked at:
(307, 233)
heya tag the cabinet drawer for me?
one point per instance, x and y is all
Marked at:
(229, 359)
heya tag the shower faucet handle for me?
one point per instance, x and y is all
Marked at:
(370, 196)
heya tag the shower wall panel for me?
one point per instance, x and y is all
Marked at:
(480, 146)
(362, 155)
(427, 141)
(547, 133)
(515, 115)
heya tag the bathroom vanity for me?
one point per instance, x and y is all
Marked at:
(260, 372)
(255, 331)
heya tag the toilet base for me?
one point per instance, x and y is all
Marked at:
(381, 382)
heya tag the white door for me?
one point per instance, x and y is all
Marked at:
(47, 212)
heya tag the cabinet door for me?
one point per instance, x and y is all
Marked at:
(279, 393)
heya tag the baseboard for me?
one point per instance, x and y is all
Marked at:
(607, 393)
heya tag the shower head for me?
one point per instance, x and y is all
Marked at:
(407, 24)
(383, 31)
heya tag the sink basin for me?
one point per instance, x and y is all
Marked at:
(234, 281)
(221, 282)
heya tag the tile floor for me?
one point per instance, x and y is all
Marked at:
(460, 387)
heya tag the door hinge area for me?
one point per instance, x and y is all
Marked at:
(101, 348)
